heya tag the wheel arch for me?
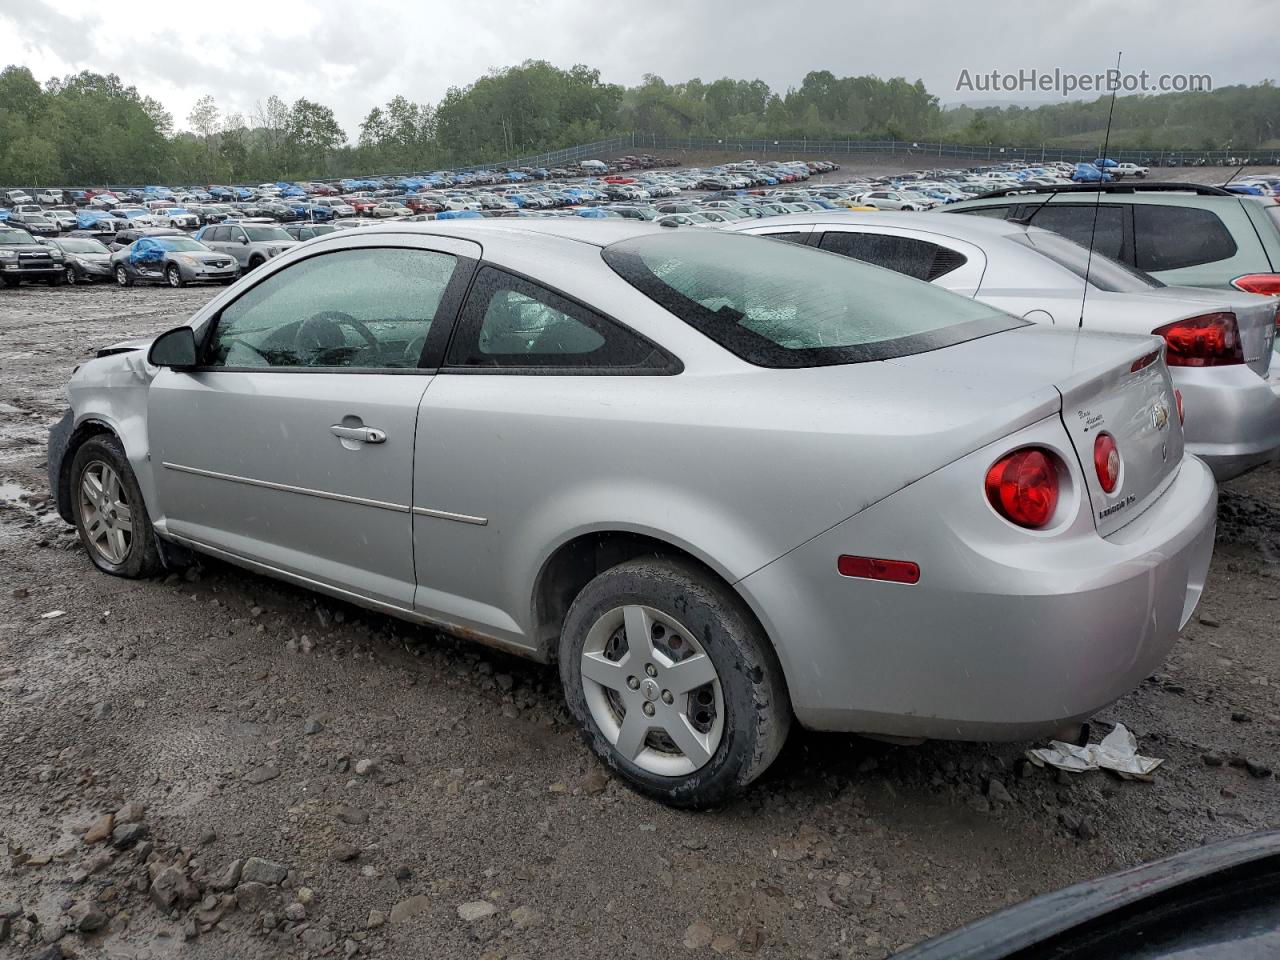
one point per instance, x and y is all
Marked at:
(579, 559)
(84, 431)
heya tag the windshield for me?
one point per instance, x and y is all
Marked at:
(181, 244)
(267, 233)
(10, 236)
(781, 305)
(1104, 273)
(82, 245)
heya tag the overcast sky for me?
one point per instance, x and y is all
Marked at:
(352, 54)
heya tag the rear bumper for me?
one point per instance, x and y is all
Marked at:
(998, 641)
(1232, 417)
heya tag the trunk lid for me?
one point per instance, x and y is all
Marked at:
(1130, 396)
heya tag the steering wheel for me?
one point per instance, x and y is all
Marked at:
(413, 352)
(322, 332)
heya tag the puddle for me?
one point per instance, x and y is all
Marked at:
(12, 492)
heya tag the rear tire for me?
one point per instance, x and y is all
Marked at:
(647, 631)
(11, 281)
(69, 275)
(109, 512)
(173, 276)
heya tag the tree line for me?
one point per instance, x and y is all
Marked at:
(92, 128)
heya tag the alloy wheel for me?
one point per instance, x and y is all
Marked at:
(70, 275)
(652, 690)
(105, 513)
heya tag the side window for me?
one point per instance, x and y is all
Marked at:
(1168, 238)
(368, 308)
(511, 322)
(790, 237)
(916, 258)
(996, 212)
(214, 234)
(1075, 222)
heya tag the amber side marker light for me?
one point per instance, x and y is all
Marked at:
(872, 568)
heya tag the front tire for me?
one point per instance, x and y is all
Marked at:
(674, 683)
(109, 513)
(255, 262)
(69, 275)
(122, 277)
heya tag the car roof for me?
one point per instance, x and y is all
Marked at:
(597, 232)
(941, 223)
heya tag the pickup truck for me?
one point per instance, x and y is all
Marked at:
(1127, 170)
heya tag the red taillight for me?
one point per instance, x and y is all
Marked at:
(1023, 487)
(1211, 340)
(871, 568)
(1106, 460)
(1264, 283)
(1182, 414)
(1145, 361)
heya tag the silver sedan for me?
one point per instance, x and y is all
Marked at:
(724, 482)
(1219, 341)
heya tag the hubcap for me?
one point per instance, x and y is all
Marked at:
(174, 278)
(104, 512)
(652, 690)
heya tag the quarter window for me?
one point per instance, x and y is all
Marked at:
(1075, 222)
(916, 258)
(369, 308)
(1169, 238)
(512, 322)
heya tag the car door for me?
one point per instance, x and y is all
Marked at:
(499, 434)
(291, 445)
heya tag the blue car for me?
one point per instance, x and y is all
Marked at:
(1088, 173)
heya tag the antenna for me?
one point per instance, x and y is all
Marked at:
(1097, 204)
(1237, 173)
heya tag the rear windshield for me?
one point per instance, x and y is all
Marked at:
(1104, 273)
(781, 305)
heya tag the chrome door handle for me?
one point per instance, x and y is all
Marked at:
(361, 434)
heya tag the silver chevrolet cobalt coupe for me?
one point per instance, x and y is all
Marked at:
(723, 481)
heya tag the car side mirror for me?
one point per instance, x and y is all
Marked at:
(175, 349)
(244, 240)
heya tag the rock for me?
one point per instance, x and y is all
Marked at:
(189, 929)
(1256, 769)
(724, 944)
(504, 681)
(125, 836)
(366, 767)
(476, 910)
(403, 873)
(257, 870)
(376, 919)
(305, 895)
(317, 940)
(1086, 830)
(525, 917)
(295, 912)
(131, 812)
(698, 936)
(261, 774)
(409, 908)
(352, 815)
(997, 792)
(207, 836)
(312, 727)
(51, 952)
(979, 803)
(1240, 716)
(1209, 622)
(87, 917)
(101, 711)
(345, 852)
(594, 782)
(100, 829)
(171, 887)
(1069, 820)
(9, 910)
(255, 897)
(1211, 759)
(229, 878)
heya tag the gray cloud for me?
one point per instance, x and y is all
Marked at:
(352, 56)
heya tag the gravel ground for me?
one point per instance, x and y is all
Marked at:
(407, 795)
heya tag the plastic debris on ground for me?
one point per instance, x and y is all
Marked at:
(1118, 752)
